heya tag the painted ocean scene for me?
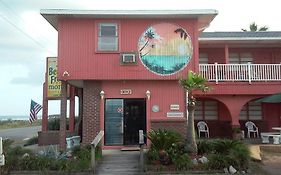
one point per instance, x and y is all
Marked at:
(165, 64)
(165, 48)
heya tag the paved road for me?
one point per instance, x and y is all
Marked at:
(19, 134)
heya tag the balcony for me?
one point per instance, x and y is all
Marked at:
(240, 72)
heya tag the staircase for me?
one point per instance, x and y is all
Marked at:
(116, 162)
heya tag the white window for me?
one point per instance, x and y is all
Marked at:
(242, 58)
(203, 58)
(108, 37)
(206, 110)
(251, 111)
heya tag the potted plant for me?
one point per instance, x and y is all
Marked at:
(237, 133)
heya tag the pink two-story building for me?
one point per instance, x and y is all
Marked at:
(124, 66)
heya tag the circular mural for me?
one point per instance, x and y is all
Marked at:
(165, 48)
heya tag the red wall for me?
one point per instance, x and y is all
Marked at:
(77, 49)
(163, 97)
(260, 55)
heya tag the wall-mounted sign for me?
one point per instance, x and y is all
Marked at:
(174, 114)
(174, 107)
(155, 108)
(53, 84)
(125, 91)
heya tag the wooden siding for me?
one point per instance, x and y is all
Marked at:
(77, 52)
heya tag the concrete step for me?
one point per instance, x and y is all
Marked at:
(119, 163)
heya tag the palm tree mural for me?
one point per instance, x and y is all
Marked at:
(254, 28)
(182, 32)
(192, 83)
(149, 35)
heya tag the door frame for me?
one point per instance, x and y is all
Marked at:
(145, 124)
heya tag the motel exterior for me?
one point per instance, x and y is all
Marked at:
(124, 68)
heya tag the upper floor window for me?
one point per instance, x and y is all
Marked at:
(240, 58)
(203, 58)
(108, 37)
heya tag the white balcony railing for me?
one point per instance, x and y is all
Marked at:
(241, 72)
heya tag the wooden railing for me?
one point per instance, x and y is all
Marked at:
(94, 144)
(241, 72)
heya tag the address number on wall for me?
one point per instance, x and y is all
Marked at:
(125, 91)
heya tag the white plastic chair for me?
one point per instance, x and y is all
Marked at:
(251, 127)
(203, 127)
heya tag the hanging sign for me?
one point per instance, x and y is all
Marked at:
(53, 84)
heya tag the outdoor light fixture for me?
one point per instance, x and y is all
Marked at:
(148, 94)
(65, 73)
(102, 94)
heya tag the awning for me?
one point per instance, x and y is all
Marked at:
(275, 98)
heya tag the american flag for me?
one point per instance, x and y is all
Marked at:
(34, 109)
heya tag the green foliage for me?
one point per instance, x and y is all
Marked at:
(217, 161)
(194, 82)
(182, 162)
(224, 146)
(6, 124)
(54, 123)
(165, 146)
(236, 130)
(152, 155)
(228, 152)
(163, 139)
(204, 147)
(17, 159)
(254, 28)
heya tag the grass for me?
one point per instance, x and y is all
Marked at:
(7, 124)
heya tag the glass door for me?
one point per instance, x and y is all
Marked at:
(114, 122)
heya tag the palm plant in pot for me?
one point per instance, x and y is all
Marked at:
(237, 133)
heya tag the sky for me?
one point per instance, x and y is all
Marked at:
(26, 38)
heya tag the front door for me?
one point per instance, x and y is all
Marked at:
(134, 120)
(123, 120)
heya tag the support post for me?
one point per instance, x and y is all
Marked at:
(72, 110)
(63, 109)
(45, 109)
(216, 72)
(141, 142)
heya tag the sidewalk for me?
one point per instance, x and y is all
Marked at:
(271, 162)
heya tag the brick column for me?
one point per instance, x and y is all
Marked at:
(91, 111)
(63, 108)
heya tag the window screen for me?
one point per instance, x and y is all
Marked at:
(108, 37)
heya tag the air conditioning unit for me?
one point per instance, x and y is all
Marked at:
(128, 58)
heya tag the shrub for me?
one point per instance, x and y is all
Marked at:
(163, 139)
(152, 155)
(54, 123)
(217, 161)
(182, 162)
(165, 143)
(228, 152)
(204, 147)
(17, 160)
(223, 146)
